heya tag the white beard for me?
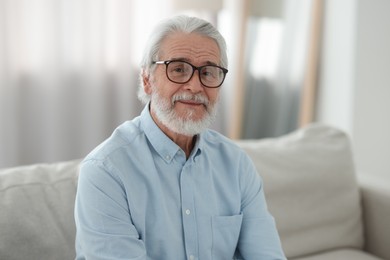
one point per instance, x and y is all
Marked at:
(166, 114)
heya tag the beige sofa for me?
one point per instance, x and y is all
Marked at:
(322, 211)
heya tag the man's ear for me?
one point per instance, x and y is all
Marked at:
(146, 82)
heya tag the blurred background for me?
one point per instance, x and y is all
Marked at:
(69, 71)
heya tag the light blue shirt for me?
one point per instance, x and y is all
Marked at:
(139, 197)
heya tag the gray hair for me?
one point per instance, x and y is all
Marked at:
(183, 24)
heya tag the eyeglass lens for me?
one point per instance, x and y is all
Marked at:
(181, 72)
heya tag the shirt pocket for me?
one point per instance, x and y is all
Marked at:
(225, 230)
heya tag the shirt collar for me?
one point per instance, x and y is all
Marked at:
(163, 145)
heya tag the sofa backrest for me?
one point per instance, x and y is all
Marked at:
(36, 211)
(311, 189)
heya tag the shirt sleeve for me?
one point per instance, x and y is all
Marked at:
(103, 221)
(259, 237)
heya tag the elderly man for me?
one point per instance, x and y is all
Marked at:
(163, 186)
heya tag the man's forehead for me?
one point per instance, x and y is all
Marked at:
(188, 47)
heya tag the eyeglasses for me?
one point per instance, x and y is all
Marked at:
(211, 76)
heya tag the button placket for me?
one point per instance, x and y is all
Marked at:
(188, 216)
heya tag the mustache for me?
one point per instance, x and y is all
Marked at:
(198, 98)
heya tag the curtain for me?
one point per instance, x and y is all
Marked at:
(68, 73)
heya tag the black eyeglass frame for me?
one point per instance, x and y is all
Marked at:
(194, 68)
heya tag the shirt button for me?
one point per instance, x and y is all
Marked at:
(167, 157)
(188, 212)
(192, 257)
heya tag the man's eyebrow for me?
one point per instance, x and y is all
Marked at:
(181, 59)
(189, 61)
(212, 63)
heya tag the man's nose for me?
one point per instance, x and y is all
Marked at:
(195, 85)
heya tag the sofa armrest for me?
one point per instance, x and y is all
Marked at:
(376, 216)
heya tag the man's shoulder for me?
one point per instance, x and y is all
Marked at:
(220, 141)
(122, 138)
(222, 149)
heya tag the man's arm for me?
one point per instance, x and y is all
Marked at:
(259, 238)
(103, 221)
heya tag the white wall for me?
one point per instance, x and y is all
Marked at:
(372, 99)
(337, 71)
(354, 85)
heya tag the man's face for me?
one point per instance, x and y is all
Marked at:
(190, 107)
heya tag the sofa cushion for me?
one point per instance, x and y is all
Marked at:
(341, 254)
(36, 216)
(311, 189)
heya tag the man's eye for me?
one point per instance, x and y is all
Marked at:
(178, 70)
(209, 73)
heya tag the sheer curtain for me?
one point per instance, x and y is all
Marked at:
(68, 73)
